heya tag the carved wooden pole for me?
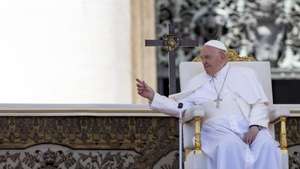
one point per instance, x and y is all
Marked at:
(197, 134)
(283, 140)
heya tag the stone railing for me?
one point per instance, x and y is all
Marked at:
(98, 135)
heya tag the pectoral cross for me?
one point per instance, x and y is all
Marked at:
(218, 100)
(172, 42)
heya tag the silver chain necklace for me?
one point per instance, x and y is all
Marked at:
(218, 99)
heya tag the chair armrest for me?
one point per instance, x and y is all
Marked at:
(279, 114)
(191, 113)
(194, 115)
(275, 112)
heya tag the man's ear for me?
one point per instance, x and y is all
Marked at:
(223, 56)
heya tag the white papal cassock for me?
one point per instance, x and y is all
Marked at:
(244, 103)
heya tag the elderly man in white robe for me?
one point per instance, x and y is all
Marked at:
(234, 132)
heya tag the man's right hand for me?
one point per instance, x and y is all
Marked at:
(144, 90)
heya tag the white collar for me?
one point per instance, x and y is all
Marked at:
(221, 73)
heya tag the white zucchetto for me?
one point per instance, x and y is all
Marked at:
(216, 44)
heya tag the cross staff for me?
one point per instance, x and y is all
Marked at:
(172, 42)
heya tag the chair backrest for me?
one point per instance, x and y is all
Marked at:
(188, 70)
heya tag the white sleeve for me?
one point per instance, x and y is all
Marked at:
(169, 106)
(259, 115)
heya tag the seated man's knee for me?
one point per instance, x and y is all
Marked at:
(270, 145)
(230, 145)
(264, 143)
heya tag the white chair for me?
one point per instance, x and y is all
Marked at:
(191, 130)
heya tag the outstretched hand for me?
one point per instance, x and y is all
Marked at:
(144, 89)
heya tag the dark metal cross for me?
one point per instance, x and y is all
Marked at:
(171, 42)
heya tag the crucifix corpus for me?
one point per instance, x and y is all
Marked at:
(171, 42)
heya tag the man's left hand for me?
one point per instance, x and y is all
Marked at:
(250, 136)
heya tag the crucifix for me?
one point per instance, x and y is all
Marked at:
(218, 100)
(171, 42)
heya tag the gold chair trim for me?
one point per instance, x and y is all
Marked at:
(232, 56)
